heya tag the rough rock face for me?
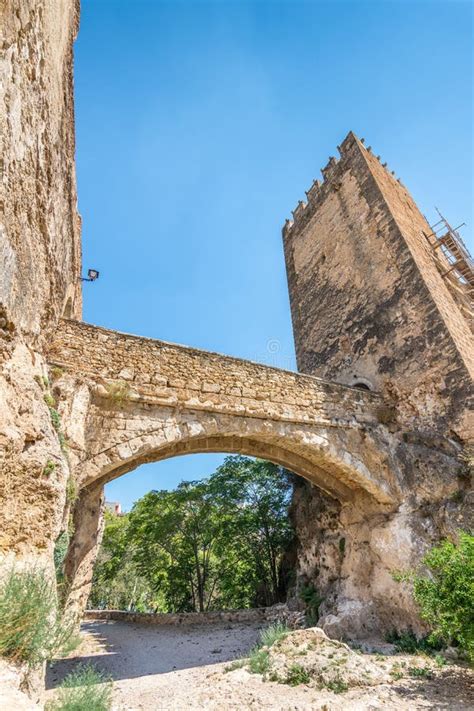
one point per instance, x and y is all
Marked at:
(39, 259)
(349, 556)
(12, 692)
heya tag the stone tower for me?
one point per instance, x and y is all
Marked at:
(374, 303)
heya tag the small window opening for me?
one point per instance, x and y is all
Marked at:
(67, 313)
(361, 386)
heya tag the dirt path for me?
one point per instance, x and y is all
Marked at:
(184, 669)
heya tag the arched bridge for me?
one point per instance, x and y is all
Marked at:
(137, 400)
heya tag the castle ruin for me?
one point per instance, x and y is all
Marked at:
(377, 424)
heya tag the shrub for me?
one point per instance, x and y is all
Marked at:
(49, 399)
(31, 627)
(424, 672)
(49, 467)
(297, 675)
(55, 418)
(273, 633)
(259, 661)
(338, 685)
(409, 643)
(236, 664)
(72, 491)
(118, 391)
(446, 596)
(56, 372)
(63, 443)
(60, 550)
(85, 689)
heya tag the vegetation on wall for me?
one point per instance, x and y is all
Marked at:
(217, 543)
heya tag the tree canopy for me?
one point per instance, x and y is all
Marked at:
(217, 543)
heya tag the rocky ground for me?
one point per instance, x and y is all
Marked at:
(195, 667)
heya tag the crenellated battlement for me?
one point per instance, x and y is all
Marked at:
(332, 173)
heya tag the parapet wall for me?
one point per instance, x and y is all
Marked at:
(167, 374)
(259, 615)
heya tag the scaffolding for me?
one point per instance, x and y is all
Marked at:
(454, 263)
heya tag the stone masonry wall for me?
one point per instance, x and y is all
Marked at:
(172, 375)
(141, 400)
(370, 307)
(368, 304)
(391, 496)
(262, 615)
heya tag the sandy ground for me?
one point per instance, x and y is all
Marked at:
(184, 668)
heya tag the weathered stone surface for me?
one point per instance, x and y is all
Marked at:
(368, 523)
(39, 259)
(327, 432)
(12, 692)
(368, 301)
(383, 473)
(369, 306)
(40, 228)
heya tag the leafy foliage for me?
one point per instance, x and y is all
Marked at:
(446, 598)
(117, 582)
(60, 551)
(259, 659)
(55, 418)
(49, 467)
(212, 544)
(420, 672)
(408, 643)
(85, 689)
(49, 400)
(338, 685)
(72, 490)
(31, 627)
(446, 594)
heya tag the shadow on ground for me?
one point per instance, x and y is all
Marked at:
(126, 651)
(452, 689)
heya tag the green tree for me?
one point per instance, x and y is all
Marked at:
(117, 582)
(217, 543)
(257, 494)
(179, 531)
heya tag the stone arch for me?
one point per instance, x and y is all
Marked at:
(129, 400)
(340, 461)
(345, 462)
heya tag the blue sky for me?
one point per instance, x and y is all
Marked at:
(201, 124)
